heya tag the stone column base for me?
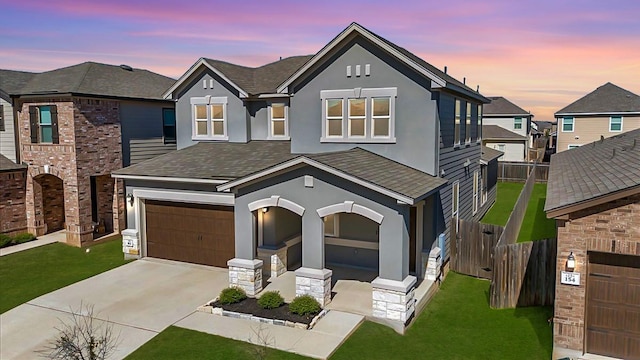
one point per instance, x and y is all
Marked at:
(314, 282)
(246, 274)
(394, 300)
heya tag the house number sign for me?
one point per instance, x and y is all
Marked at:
(570, 278)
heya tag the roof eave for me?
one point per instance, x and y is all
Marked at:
(202, 61)
(585, 204)
(597, 113)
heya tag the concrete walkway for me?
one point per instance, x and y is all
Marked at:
(320, 342)
(58, 236)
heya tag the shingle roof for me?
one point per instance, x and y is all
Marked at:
(214, 160)
(501, 106)
(381, 171)
(495, 132)
(90, 78)
(608, 98)
(12, 81)
(489, 154)
(260, 80)
(594, 170)
(8, 165)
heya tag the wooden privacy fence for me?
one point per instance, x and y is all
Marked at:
(472, 248)
(519, 171)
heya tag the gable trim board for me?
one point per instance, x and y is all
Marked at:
(168, 179)
(169, 93)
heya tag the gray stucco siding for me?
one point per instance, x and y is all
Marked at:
(236, 116)
(140, 120)
(327, 190)
(259, 117)
(415, 110)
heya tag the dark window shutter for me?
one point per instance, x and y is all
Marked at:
(33, 120)
(2, 118)
(54, 124)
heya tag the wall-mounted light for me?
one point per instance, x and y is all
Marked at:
(130, 199)
(467, 163)
(443, 173)
(265, 209)
(571, 262)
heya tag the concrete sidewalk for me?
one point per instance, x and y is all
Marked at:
(320, 342)
(58, 236)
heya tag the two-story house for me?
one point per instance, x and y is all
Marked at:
(607, 111)
(502, 113)
(10, 83)
(358, 157)
(75, 126)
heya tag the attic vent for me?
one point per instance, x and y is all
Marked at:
(126, 67)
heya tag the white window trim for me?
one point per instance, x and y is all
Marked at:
(476, 191)
(457, 116)
(621, 123)
(483, 189)
(479, 125)
(336, 225)
(373, 123)
(208, 101)
(573, 124)
(366, 102)
(455, 206)
(270, 135)
(514, 123)
(345, 95)
(467, 123)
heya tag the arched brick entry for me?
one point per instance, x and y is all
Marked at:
(48, 194)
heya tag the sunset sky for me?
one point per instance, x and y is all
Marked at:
(542, 55)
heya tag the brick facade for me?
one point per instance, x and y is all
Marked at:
(613, 227)
(12, 202)
(89, 145)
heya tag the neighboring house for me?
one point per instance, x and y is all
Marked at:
(13, 179)
(78, 124)
(543, 135)
(489, 177)
(509, 116)
(514, 146)
(594, 194)
(356, 157)
(607, 111)
(10, 83)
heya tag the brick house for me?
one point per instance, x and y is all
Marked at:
(75, 126)
(12, 197)
(594, 194)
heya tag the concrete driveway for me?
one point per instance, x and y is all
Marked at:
(140, 299)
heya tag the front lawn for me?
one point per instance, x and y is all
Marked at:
(458, 324)
(28, 274)
(180, 343)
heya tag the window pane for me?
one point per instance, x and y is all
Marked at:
(517, 123)
(45, 115)
(357, 127)
(277, 111)
(456, 131)
(616, 124)
(169, 116)
(381, 107)
(217, 111)
(278, 128)
(334, 107)
(46, 134)
(201, 111)
(329, 224)
(335, 127)
(381, 127)
(356, 107)
(218, 128)
(201, 128)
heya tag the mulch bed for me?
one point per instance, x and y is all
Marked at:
(250, 306)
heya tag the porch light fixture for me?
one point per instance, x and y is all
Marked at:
(130, 198)
(265, 209)
(571, 262)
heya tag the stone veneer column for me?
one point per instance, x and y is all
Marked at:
(394, 300)
(246, 274)
(314, 282)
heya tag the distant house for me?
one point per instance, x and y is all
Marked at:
(74, 126)
(607, 111)
(594, 194)
(511, 117)
(10, 83)
(514, 146)
(543, 137)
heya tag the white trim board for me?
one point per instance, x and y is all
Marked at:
(169, 93)
(169, 179)
(184, 196)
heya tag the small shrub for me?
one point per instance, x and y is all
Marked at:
(23, 238)
(5, 240)
(304, 305)
(232, 295)
(271, 300)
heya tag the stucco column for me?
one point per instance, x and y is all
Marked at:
(394, 246)
(245, 271)
(312, 241)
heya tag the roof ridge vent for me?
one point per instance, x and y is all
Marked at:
(126, 67)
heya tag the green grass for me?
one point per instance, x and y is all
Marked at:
(179, 343)
(458, 324)
(535, 225)
(28, 274)
(506, 199)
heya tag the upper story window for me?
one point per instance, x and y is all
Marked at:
(169, 125)
(567, 124)
(209, 118)
(2, 128)
(517, 123)
(358, 115)
(468, 122)
(456, 127)
(615, 123)
(479, 130)
(278, 121)
(43, 120)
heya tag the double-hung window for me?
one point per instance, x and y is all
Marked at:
(517, 123)
(278, 121)
(615, 124)
(209, 118)
(479, 130)
(456, 127)
(567, 124)
(43, 121)
(468, 123)
(358, 115)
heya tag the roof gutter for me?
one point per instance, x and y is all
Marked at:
(585, 204)
(169, 179)
(598, 113)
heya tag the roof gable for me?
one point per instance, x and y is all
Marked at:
(606, 99)
(501, 106)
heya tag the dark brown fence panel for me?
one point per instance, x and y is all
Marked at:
(519, 171)
(538, 287)
(509, 268)
(472, 248)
